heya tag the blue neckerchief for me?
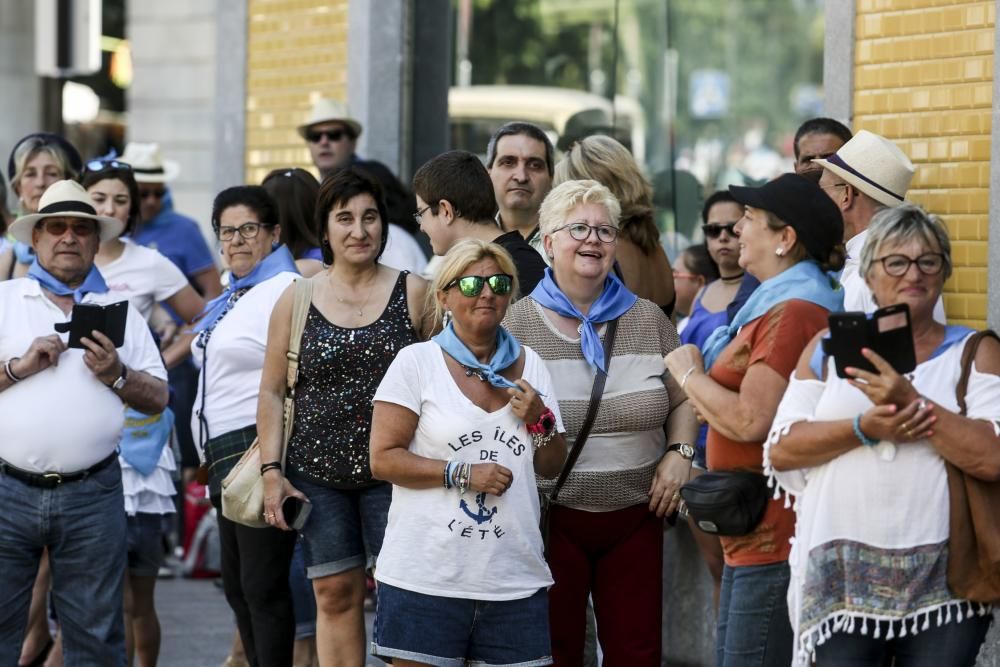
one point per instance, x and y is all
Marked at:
(804, 281)
(612, 304)
(278, 261)
(143, 438)
(508, 352)
(94, 282)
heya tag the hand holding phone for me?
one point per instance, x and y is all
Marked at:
(886, 332)
(295, 511)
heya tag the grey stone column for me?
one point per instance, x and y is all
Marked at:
(21, 87)
(838, 60)
(230, 95)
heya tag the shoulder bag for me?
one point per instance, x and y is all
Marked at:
(974, 508)
(546, 501)
(243, 487)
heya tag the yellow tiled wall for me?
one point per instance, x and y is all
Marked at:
(923, 77)
(296, 52)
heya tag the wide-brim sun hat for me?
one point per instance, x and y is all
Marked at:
(874, 165)
(802, 205)
(148, 165)
(326, 110)
(65, 199)
(46, 139)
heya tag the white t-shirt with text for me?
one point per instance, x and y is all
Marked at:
(143, 276)
(472, 546)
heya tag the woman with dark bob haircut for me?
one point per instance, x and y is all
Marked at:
(229, 348)
(362, 315)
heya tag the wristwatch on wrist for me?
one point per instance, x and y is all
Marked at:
(546, 423)
(120, 382)
(683, 448)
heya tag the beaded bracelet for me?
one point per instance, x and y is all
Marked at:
(539, 440)
(865, 440)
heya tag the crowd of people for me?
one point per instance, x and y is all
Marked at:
(494, 440)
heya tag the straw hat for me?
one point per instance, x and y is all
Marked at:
(326, 110)
(65, 199)
(148, 165)
(874, 165)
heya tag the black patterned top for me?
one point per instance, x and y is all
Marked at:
(339, 371)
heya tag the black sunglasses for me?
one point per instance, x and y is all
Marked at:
(500, 284)
(714, 230)
(315, 136)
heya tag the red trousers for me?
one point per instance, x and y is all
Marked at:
(617, 557)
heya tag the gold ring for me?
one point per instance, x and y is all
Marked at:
(676, 496)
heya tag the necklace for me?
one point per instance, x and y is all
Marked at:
(364, 303)
(732, 279)
(470, 371)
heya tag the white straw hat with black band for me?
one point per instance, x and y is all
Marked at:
(65, 199)
(874, 165)
(326, 110)
(148, 166)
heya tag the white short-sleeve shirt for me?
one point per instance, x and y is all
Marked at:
(473, 546)
(144, 277)
(62, 419)
(235, 361)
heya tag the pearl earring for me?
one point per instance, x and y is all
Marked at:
(779, 251)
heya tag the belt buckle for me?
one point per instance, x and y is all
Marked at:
(53, 476)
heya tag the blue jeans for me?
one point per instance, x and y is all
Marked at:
(83, 525)
(953, 644)
(303, 596)
(754, 630)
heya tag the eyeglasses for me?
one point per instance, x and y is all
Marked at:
(833, 185)
(81, 229)
(100, 164)
(247, 230)
(419, 215)
(315, 136)
(929, 264)
(500, 284)
(713, 230)
(679, 275)
(152, 194)
(580, 231)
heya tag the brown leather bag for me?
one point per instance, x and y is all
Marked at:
(974, 537)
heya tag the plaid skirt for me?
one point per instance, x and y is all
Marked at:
(223, 453)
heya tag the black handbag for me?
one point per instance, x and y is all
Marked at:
(545, 501)
(729, 502)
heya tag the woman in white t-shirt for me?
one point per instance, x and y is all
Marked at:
(144, 277)
(460, 430)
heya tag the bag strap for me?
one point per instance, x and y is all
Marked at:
(595, 401)
(300, 311)
(968, 357)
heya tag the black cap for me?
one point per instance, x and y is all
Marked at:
(47, 138)
(801, 204)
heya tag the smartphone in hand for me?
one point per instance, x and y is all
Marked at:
(886, 331)
(295, 511)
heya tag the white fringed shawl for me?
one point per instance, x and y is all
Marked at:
(870, 546)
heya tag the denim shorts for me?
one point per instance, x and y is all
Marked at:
(145, 543)
(453, 632)
(345, 528)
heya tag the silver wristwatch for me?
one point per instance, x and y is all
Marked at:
(683, 448)
(120, 382)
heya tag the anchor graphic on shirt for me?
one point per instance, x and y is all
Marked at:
(483, 515)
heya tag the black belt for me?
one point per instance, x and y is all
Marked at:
(50, 480)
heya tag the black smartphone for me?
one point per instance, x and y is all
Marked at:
(887, 332)
(110, 320)
(295, 511)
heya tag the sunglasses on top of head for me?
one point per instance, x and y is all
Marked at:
(713, 230)
(101, 164)
(500, 284)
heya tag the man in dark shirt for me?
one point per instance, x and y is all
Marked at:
(455, 201)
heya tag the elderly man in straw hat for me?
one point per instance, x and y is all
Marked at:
(865, 175)
(331, 135)
(61, 416)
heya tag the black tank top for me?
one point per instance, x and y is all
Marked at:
(339, 371)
